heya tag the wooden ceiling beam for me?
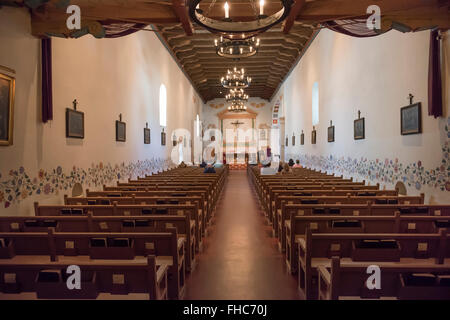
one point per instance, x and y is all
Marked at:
(182, 14)
(295, 10)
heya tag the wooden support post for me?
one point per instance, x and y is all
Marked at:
(51, 244)
(335, 275)
(151, 278)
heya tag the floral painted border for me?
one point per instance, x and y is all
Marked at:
(387, 171)
(20, 184)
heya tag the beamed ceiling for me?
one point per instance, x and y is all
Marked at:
(193, 46)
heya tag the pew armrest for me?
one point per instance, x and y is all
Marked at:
(324, 283)
(324, 274)
(162, 270)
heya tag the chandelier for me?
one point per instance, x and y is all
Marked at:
(236, 95)
(237, 107)
(227, 26)
(235, 79)
(237, 48)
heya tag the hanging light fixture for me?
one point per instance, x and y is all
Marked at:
(235, 79)
(237, 107)
(236, 95)
(229, 27)
(237, 48)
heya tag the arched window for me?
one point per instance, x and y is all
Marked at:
(198, 125)
(315, 104)
(162, 105)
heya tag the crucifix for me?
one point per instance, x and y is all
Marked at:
(237, 123)
(410, 97)
(75, 103)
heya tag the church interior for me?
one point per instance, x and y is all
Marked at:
(224, 150)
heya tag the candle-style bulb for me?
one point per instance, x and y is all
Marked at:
(227, 8)
(261, 7)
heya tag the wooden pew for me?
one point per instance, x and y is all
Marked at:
(368, 209)
(46, 278)
(206, 205)
(54, 246)
(317, 250)
(185, 227)
(190, 210)
(142, 201)
(338, 200)
(296, 227)
(403, 282)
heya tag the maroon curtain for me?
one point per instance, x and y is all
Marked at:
(434, 76)
(47, 95)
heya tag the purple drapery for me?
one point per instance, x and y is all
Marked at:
(434, 76)
(47, 95)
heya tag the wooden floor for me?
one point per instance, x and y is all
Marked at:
(240, 259)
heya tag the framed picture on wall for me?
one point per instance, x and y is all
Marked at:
(359, 129)
(313, 136)
(7, 92)
(302, 138)
(121, 131)
(331, 133)
(147, 137)
(74, 124)
(163, 138)
(411, 119)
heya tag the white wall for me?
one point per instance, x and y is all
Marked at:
(374, 75)
(107, 77)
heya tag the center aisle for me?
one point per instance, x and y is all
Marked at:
(240, 259)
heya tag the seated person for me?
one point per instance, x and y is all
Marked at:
(280, 167)
(291, 162)
(182, 165)
(297, 164)
(209, 169)
(203, 164)
(286, 169)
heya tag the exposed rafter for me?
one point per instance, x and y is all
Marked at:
(280, 49)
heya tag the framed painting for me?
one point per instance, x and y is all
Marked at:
(147, 138)
(163, 138)
(411, 119)
(331, 134)
(302, 139)
(121, 131)
(313, 136)
(7, 92)
(74, 124)
(359, 129)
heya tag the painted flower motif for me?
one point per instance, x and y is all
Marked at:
(21, 170)
(41, 174)
(2, 196)
(47, 188)
(59, 170)
(447, 186)
(418, 186)
(7, 204)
